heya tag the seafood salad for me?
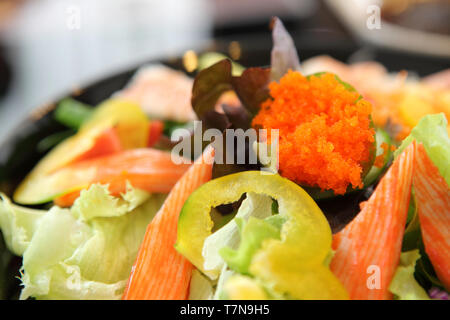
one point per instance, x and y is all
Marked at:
(299, 180)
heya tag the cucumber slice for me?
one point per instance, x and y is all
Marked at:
(41, 185)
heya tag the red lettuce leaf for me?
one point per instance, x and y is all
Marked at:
(252, 87)
(222, 168)
(209, 85)
(237, 116)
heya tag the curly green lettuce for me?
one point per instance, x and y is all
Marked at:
(432, 132)
(404, 286)
(85, 252)
(255, 205)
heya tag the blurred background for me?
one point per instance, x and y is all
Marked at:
(52, 47)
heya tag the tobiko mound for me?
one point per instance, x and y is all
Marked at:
(325, 130)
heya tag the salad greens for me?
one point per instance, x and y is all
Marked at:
(8, 270)
(432, 132)
(253, 234)
(85, 252)
(255, 205)
(412, 236)
(225, 274)
(276, 245)
(72, 113)
(52, 140)
(18, 224)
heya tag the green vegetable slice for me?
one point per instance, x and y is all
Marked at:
(294, 263)
(131, 123)
(72, 113)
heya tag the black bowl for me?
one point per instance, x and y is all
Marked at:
(19, 152)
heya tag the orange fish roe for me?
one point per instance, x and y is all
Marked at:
(324, 130)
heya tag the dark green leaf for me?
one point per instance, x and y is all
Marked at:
(72, 113)
(425, 273)
(412, 238)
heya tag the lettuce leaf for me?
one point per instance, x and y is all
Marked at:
(225, 274)
(404, 286)
(432, 132)
(6, 272)
(97, 202)
(253, 233)
(255, 210)
(18, 224)
(240, 239)
(255, 205)
(81, 253)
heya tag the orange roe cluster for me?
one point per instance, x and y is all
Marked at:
(324, 130)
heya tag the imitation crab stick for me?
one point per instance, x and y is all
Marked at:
(147, 169)
(160, 272)
(433, 205)
(368, 249)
